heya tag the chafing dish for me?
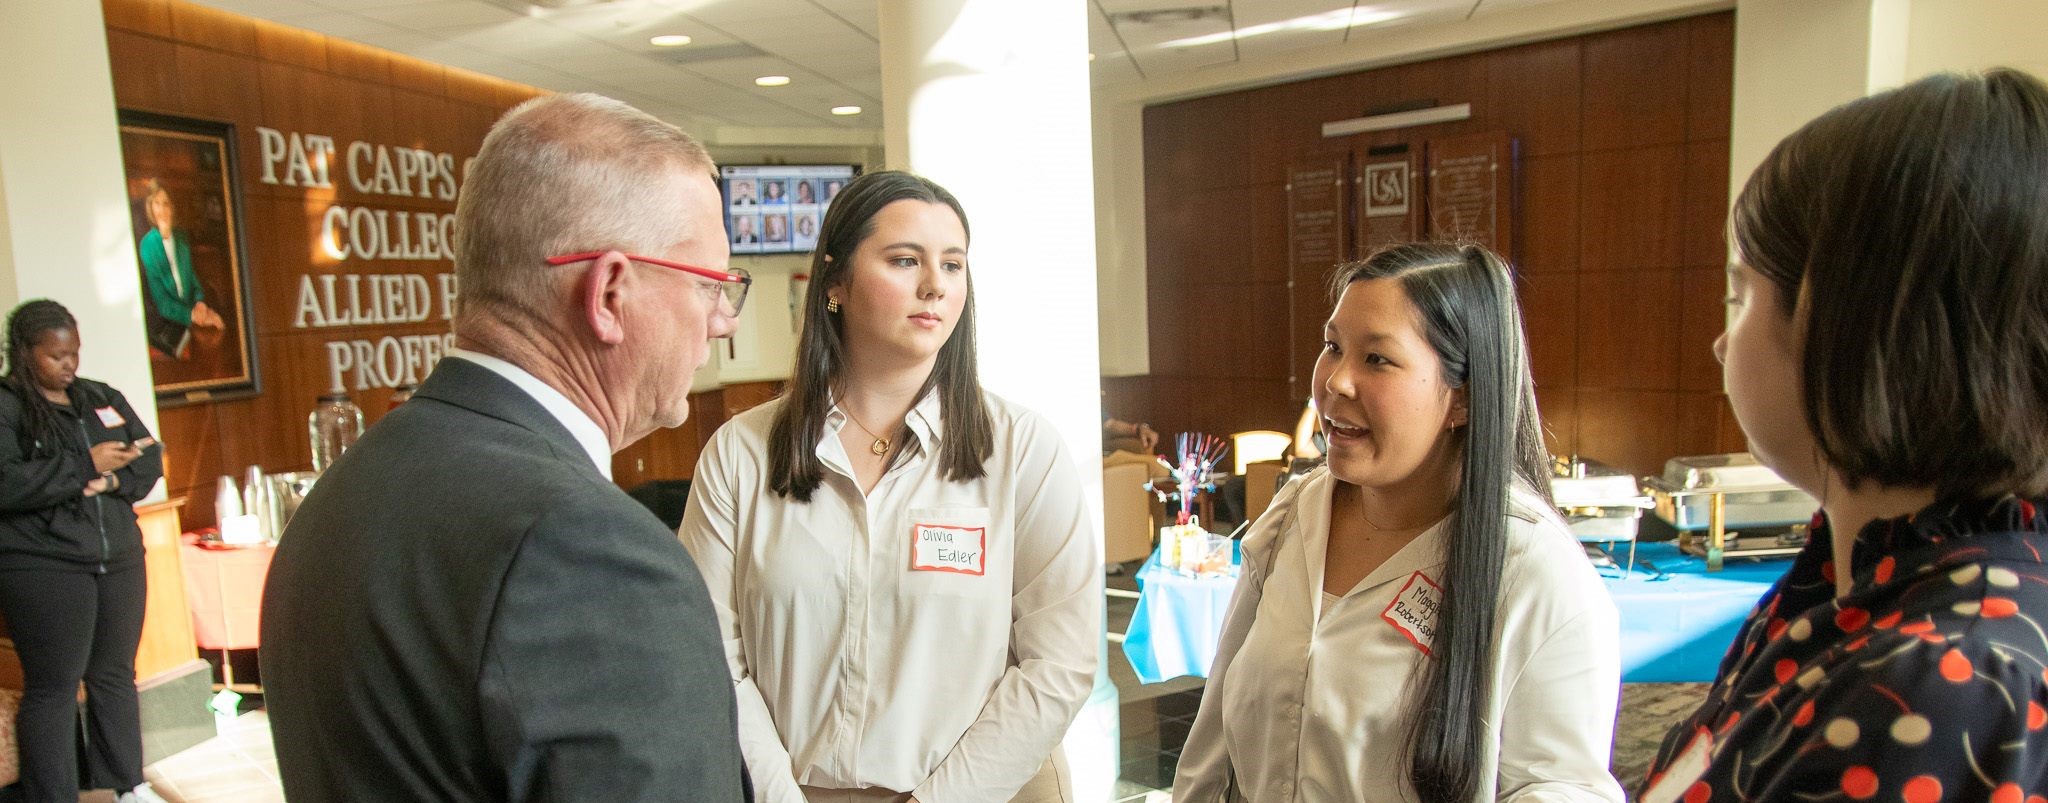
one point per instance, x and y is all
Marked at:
(1600, 504)
(1716, 493)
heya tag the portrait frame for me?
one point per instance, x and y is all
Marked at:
(192, 268)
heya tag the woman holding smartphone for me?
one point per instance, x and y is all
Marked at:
(73, 461)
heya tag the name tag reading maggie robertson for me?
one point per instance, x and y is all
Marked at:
(948, 548)
(1413, 611)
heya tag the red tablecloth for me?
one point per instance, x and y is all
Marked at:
(224, 588)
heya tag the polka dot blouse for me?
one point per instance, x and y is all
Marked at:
(1927, 682)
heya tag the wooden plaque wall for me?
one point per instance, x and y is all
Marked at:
(1623, 178)
(179, 58)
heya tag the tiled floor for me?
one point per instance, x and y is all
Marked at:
(238, 766)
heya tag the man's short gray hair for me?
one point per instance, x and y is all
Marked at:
(565, 174)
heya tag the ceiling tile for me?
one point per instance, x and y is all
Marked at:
(444, 15)
(269, 9)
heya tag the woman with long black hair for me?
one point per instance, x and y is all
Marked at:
(902, 563)
(73, 461)
(1414, 621)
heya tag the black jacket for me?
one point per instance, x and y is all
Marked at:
(46, 520)
(465, 609)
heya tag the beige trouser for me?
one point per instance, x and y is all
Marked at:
(1048, 786)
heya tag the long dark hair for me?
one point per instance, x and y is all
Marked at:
(793, 466)
(1466, 303)
(1912, 228)
(26, 325)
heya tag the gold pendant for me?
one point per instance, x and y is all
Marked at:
(880, 447)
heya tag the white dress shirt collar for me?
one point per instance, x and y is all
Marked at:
(586, 431)
(923, 420)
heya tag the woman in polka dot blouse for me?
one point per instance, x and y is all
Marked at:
(1888, 353)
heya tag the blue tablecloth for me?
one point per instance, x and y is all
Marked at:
(1173, 632)
(1672, 629)
(1677, 628)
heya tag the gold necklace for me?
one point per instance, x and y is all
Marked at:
(881, 444)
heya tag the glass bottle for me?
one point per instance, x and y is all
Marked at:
(333, 427)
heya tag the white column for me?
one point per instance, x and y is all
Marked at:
(1795, 59)
(64, 230)
(990, 98)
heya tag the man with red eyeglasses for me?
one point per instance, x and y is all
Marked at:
(465, 608)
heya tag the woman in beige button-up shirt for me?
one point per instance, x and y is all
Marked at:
(902, 563)
(1414, 622)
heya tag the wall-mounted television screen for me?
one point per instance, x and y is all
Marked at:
(776, 209)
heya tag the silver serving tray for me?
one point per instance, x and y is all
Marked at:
(1753, 495)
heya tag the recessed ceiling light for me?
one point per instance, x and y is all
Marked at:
(669, 40)
(772, 80)
(845, 110)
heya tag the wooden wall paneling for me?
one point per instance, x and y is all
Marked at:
(1704, 240)
(279, 233)
(1204, 140)
(425, 77)
(298, 47)
(472, 88)
(331, 107)
(1630, 429)
(1559, 407)
(1550, 202)
(1635, 87)
(1533, 93)
(1552, 319)
(193, 457)
(1222, 250)
(359, 62)
(1729, 431)
(1620, 131)
(395, 129)
(1266, 212)
(1628, 336)
(213, 28)
(143, 78)
(1270, 331)
(1702, 317)
(1632, 208)
(232, 101)
(1697, 427)
(1710, 72)
(152, 17)
(1219, 339)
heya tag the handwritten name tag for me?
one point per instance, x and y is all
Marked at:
(1413, 611)
(949, 548)
(110, 417)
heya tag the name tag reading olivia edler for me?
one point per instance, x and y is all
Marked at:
(949, 548)
(1413, 611)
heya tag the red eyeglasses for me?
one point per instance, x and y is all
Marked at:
(733, 284)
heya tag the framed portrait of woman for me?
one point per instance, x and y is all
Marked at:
(185, 206)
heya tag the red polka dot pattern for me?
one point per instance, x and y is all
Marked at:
(1922, 789)
(1927, 680)
(1955, 666)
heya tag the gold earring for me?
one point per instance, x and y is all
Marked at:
(831, 304)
